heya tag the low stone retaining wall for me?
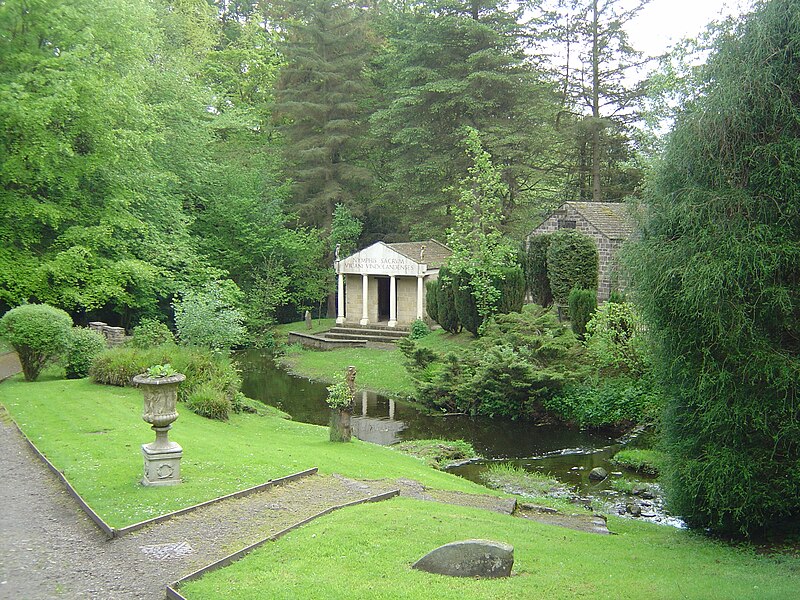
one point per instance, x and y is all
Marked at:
(322, 343)
(115, 336)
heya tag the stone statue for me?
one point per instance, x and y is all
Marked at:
(350, 378)
(336, 252)
(422, 253)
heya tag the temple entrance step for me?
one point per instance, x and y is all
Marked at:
(372, 334)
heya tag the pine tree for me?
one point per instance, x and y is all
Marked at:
(447, 66)
(596, 88)
(322, 100)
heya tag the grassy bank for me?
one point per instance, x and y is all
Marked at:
(93, 434)
(366, 552)
(382, 371)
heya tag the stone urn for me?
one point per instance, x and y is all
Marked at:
(162, 457)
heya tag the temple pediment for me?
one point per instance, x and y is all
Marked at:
(380, 259)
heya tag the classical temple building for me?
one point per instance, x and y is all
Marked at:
(384, 284)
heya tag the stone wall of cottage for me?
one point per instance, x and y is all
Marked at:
(608, 277)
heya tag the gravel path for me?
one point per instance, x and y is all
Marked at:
(9, 365)
(50, 549)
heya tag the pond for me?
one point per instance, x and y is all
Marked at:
(567, 454)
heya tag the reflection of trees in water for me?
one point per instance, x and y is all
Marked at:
(381, 420)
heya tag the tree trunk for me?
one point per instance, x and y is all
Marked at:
(596, 125)
(341, 429)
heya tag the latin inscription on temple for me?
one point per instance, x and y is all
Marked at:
(379, 265)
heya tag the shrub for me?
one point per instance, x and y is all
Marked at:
(522, 359)
(608, 402)
(419, 358)
(118, 366)
(572, 262)
(39, 333)
(512, 290)
(535, 265)
(149, 333)
(615, 340)
(466, 308)
(432, 299)
(582, 304)
(447, 316)
(339, 395)
(208, 401)
(84, 346)
(419, 329)
(209, 318)
(718, 273)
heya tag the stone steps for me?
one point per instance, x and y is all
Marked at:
(367, 333)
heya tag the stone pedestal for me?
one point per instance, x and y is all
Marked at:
(162, 460)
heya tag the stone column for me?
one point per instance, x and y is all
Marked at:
(392, 301)
(364, 300)
(340, 301)
(364, 402)
(391, 409)
(420, 279)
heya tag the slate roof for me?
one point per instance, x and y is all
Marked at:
(436, 253)
(612, 219)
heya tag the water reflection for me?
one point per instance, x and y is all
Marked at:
(385, 421)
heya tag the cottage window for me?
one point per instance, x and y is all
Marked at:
(566, 224)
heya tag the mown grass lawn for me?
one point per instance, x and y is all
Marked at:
(382, 371)
(367, 551)
(93, 433)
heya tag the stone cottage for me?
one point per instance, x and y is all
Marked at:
(608, 223)
(384, 284)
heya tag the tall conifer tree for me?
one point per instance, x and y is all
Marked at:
(718, 274)
(323, 99)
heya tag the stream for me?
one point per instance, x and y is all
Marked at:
(567, 454)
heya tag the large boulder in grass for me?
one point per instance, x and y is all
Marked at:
(469, 558)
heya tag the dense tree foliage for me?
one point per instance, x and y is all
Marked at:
(718, 274)
(446, 66)
(91, 217)
(600, 101)
(323, 96)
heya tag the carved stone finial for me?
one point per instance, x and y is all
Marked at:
(422, 253)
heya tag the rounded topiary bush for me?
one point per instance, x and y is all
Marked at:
(39, 333)
(84, 345)
(572, 262)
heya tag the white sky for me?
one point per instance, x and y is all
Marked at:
(664, 22)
